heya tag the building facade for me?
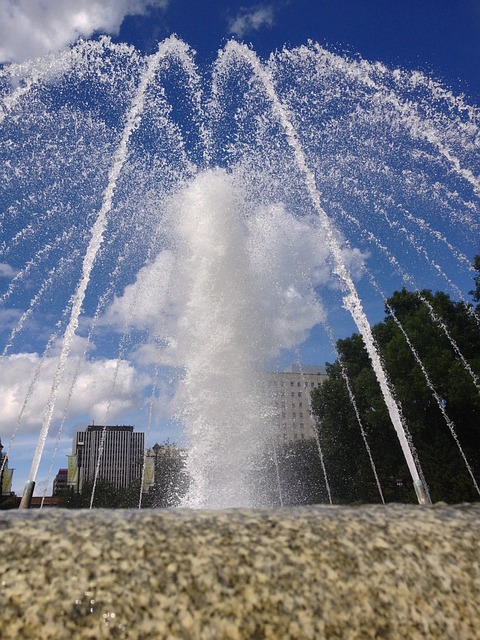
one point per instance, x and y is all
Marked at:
(117, 451)
(290, 391)
(5, 474)
(60, 482)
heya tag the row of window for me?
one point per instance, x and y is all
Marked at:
(294, 425)
(292, 384)
(284, 404)
(296, 436)
(292, 394)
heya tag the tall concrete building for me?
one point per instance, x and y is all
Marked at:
(118, 451)
(290, 391)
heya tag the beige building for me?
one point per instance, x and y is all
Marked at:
(291, 396)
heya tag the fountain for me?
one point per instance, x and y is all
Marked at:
(196, 230)
(205, 220)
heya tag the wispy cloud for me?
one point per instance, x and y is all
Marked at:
(6, 271)
(32, 28)
(251, 19)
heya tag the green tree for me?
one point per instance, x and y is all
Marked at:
(107, 496)
(170, 480)
(293, 471)
(169, 487)
(352, 478)
(475, 293)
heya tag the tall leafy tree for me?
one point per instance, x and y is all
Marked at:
(475, 293)
(107, 496)
(446, 474)
(171, 480)
(290, 475)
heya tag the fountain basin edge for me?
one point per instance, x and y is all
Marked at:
(400, 571)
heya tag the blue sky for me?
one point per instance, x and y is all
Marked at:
(439, 38)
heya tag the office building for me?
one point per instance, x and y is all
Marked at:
(290, 391)
(117, 451)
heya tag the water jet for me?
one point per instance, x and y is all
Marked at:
(197, 222)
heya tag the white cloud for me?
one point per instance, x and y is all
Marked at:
(32, 28)
(9, 318)
(92, 393)
(140, 302)
(251, 19)
(253, 271)
(6, 271)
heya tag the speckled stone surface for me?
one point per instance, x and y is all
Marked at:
(320, 572)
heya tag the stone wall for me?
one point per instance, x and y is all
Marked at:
(321, 572)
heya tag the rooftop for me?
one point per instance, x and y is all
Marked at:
(306, 368)
(98, 427)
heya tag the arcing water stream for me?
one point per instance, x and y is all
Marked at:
(228, 203)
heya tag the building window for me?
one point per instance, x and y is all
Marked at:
(299, 394)
(300, 414)
(300, 404)
(291, 383)
(301, 425)
(298, 383)
(292, 393)
(294, 415)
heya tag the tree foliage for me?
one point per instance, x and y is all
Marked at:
(171, 479)
(107, 496)
(475, 293)
(290, 475)
(169, 486)
(350, 471)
